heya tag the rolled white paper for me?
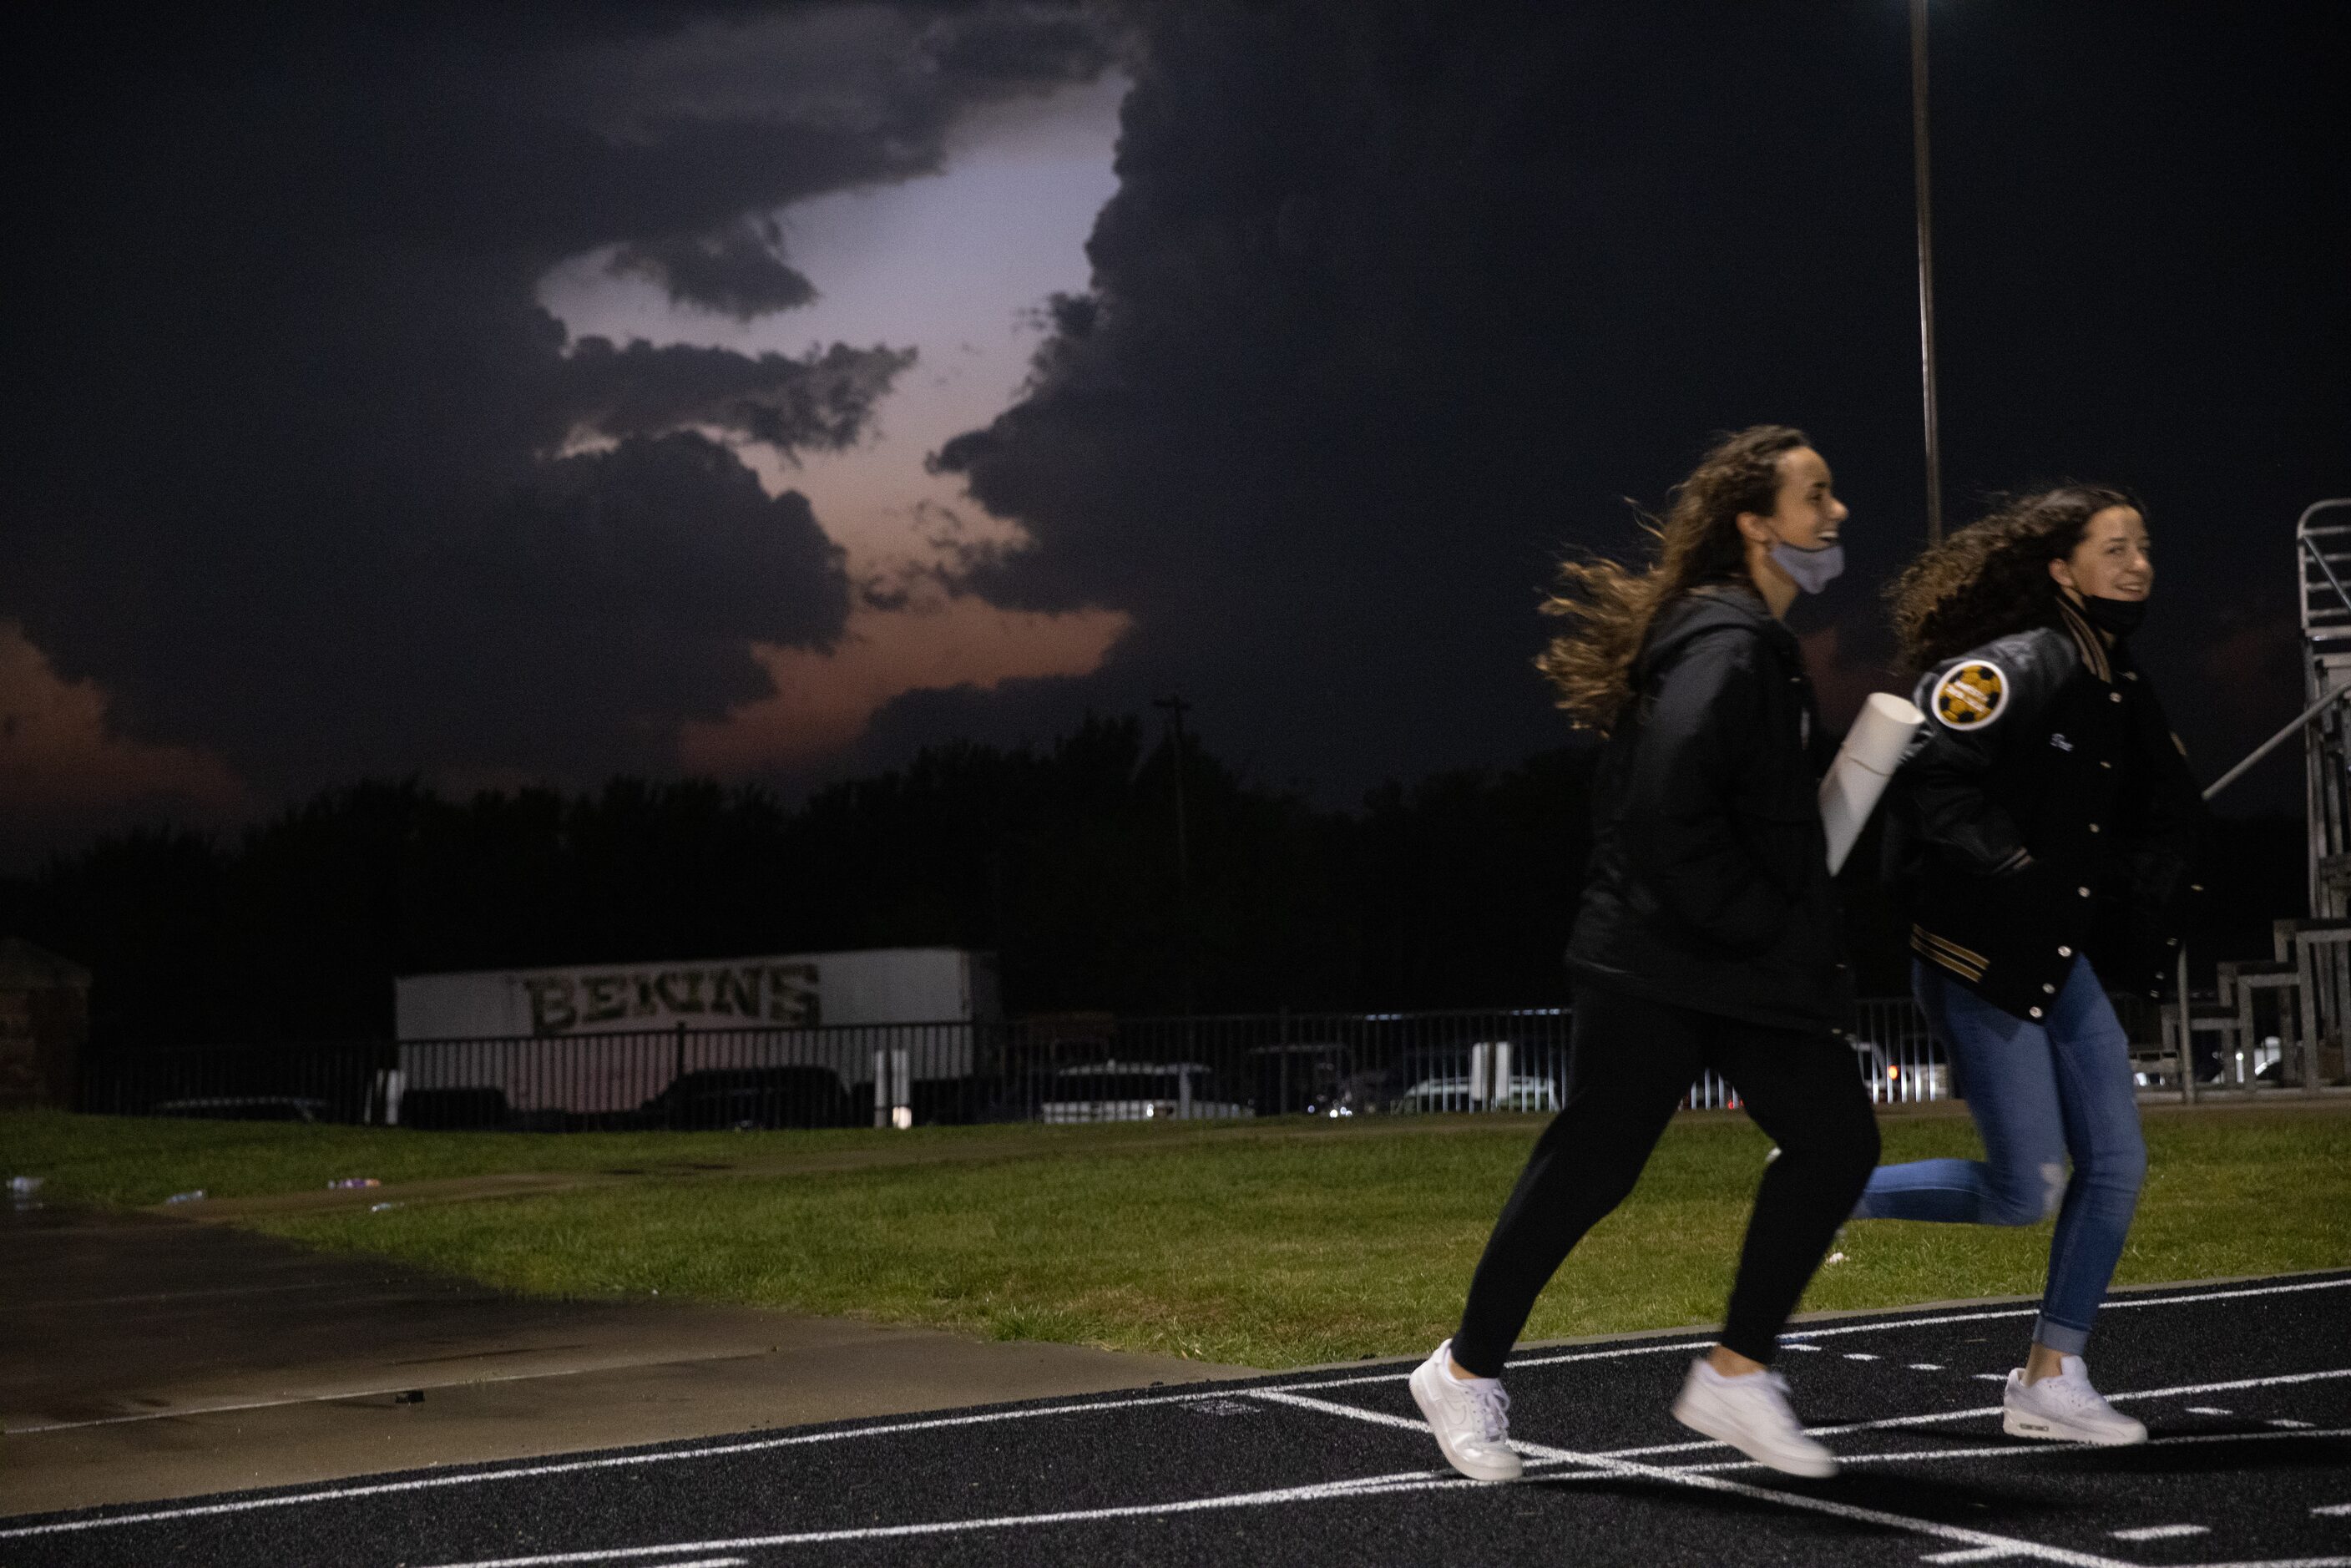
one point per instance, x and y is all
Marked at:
(1873, 749)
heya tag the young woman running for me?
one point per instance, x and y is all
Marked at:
(1707, 937)
(2039, 835)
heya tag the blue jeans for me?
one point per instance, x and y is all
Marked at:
(2040, 1092)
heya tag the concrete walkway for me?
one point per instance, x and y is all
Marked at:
(145, 1357)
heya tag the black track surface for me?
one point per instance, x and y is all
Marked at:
(1335, 1468)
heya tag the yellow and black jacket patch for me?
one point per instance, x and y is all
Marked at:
(1970, 695)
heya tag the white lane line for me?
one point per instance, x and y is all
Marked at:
(523, 1472)
(1926, 1366)
(573, 1466)
(1973, 1555)
(2160, 1532)
(2111, 1303)
(1794, 1338)
(2286, 1421)
(1859, 1355)
(2332, 1511)
(1372, 1486)
(1682, 1477)
(2025, 1450)
(2209, 1410)
(1938, 1417)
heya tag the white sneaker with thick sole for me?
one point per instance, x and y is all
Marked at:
(1471, 1420)
(1752, 1415)
(2065, 1409)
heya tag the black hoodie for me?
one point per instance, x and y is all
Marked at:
(1709, 886)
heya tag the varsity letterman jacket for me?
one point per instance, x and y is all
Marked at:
(2045, 811)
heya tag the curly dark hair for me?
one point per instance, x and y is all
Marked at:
(1609, 606)
(1991, 578)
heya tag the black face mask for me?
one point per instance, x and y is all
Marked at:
(2119, 616)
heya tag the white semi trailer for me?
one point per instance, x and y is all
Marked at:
(593, 1037)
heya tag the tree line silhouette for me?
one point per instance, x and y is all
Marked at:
(1454, 891)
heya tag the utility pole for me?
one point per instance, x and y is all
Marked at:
(1925, 270)
(1176, 707)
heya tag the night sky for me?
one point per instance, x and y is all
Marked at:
(771, 390)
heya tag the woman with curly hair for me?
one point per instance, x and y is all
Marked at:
(1707, 937)
(2038, 836)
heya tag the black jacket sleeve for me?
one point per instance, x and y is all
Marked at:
(1697, 733)
(1947, 769)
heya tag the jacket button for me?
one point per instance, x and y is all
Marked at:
(2094, 826)
(2064, 952)
(2104, 764)
(2114, 696)
(2035, 1011)
(2048, 989)
(2083, 891)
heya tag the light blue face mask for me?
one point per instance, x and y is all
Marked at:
(1810, 569)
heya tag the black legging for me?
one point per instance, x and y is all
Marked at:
(1631, 1061)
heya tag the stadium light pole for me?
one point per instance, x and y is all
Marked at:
(1926, 271)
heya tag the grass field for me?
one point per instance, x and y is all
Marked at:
(1268, 1244)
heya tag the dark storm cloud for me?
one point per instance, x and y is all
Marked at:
(303, 471)
(822, 401)
(1396, 300)
(564, 603)
(738, 271)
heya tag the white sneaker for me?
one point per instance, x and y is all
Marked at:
(1471, 1420)
(1752, 1415)
(2065, 1409)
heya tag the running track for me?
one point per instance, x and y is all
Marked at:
(2247, 1387)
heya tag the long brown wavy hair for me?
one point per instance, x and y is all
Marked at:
(1609, 607)
(1991, 578)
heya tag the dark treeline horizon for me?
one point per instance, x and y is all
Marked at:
(1454, 891)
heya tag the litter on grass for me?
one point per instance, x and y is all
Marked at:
(185, 1196)
(353, 1181)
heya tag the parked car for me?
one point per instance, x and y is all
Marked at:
(246, 1108)
(1136, 1092)
(1909, 1072)
(1524, 1094)
(753, 1097)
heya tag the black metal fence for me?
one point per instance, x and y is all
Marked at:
(1073, 1068)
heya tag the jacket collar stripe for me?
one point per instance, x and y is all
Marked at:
(2086, 638)
(1961, 961)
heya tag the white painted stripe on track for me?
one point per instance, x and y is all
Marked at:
(1794, 1337)
(1323, 1492)
(1797, 1500)
(1972, 1554)
(1367, 1486)
(721, 1450)
(2031, 1450)
(2111, 1303)
(2160, 1532)
(1940, 1417)
(2332, 1511)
